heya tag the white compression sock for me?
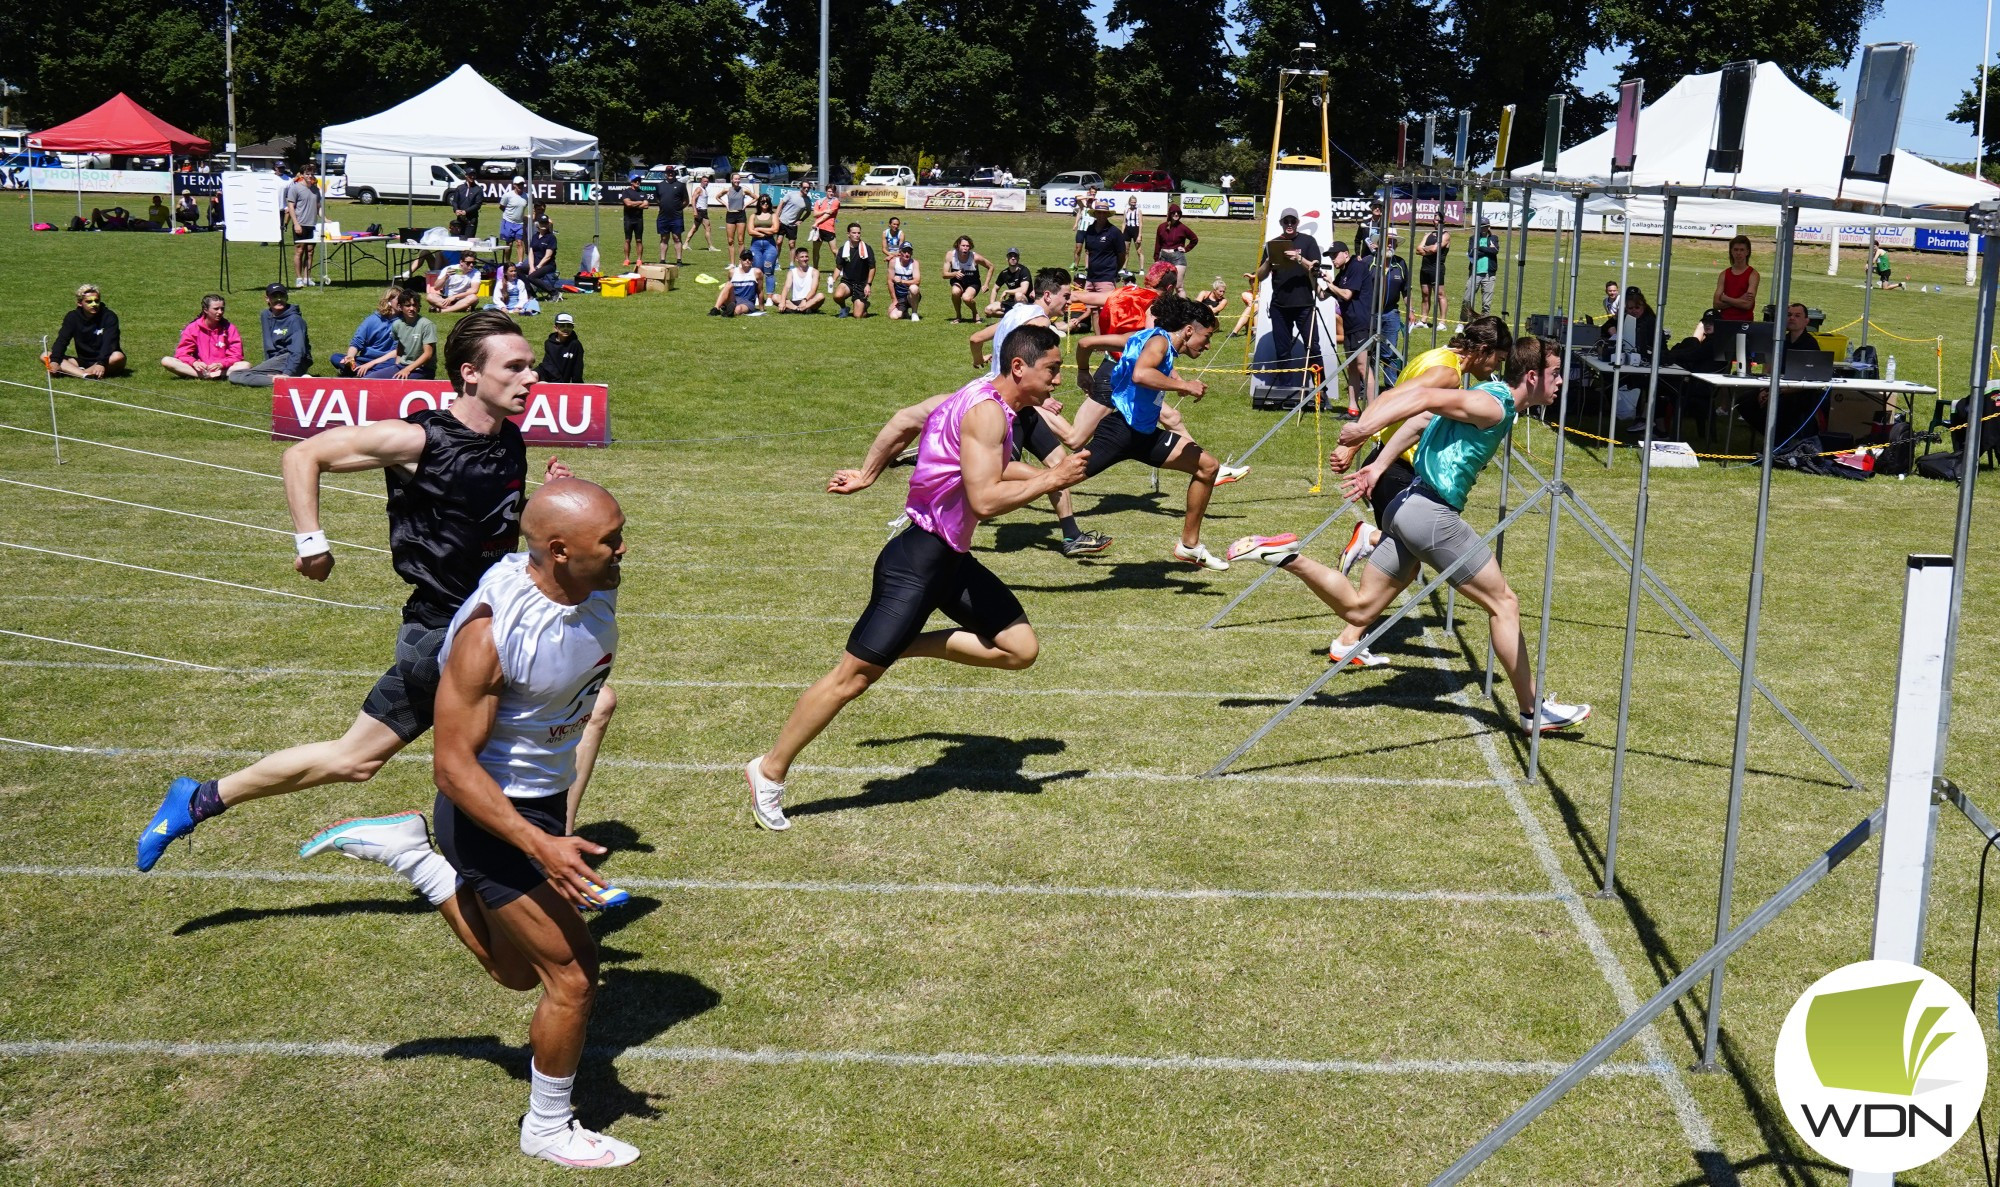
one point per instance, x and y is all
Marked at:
(428, 871)
(548, 1102)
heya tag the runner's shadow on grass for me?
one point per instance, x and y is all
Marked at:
(970, 762)
(615, 835)
(1163, 574)
(604, 924)
(329, 910)
(633, 1008)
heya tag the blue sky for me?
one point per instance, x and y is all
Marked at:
(1947, 35)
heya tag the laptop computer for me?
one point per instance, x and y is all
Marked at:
(1815, 366)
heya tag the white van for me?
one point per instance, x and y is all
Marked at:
(890, 175)
(375, 177)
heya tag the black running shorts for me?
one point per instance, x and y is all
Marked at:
(1393, 482)
(1115, 441)
(495, 869)
(916, 574)
(406, 695)
(1032, 436)
(1100, 382)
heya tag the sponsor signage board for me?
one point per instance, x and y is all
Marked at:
(557, 413)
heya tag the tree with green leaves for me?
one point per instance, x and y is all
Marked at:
(1669, 39)
(1967, 111)
(1169, 84)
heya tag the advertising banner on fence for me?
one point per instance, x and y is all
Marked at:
(1427, 211)
(1683, 228)
(1931, 239)
(103, 181)
(1857, 236)
(926, 197)
(199, 184)
(557, 413)
(1242, 206)
(872, 195)
(1204, 205)
(1064, 201)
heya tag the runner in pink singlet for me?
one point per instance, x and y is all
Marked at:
(964, 475)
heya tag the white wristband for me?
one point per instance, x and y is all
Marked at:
(312, 543)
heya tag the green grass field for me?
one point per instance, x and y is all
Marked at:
(1013, 937)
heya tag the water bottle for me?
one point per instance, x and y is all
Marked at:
(1890, 375)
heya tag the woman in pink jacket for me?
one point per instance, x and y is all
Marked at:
(210, 345)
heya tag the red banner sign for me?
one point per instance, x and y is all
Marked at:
(557, 413)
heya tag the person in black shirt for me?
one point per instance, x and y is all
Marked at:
(1292, 283)
(1010, 284)
(1103, 250)
(541, 273)
(465, 199)
(92, 329)
(671, 222)
(562, 354)
(456, 482)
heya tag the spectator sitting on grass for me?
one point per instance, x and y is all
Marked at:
(800, 291)
(739, 294)
(457, 287)
(1010, 284)
(187, 214)
(210, 344)
(562, 354)
(416, 338)
(92, 329)
(158, 215)
(287, 348)
(510, 294)
(371, 353)
(542, 274)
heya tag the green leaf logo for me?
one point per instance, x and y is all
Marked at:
(1855, 1038)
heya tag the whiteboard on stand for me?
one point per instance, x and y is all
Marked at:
(253, 207)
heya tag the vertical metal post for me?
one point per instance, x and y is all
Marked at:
(1519, 281)
(229, 78)
(1638, 555)
(1410, 331)
(1984, 218)
(49, 378)
(1556, 494)
(1555, 256)
(1868, 292)
(1618, 342)
(823, 165)
(1746, 684)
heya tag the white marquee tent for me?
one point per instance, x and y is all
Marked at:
(1791, 141)
(463, 116)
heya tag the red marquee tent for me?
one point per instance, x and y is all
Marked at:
(119, 125)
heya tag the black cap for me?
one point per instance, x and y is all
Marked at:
(277, 290)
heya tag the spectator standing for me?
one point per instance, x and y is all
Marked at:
(855, 261)
(764, 245)
(1135, 224)
(514, 221)
(1084, 206)
(416, 338)
(210, 344)
(792, 211)
(1612, 298)
(700, 200)
(1433, 252)
(735, 222)
(371, 353)
(1228, 181)
(562, 354)
(800, 291)
(542, 274)
(633, 203)
(1104, 246)
(1172, 241)
(465, 198)
(671, 222)
(91, 329)
(1485, 261)
(287, 347)
(1736, 288)
(1355, 289)
(826, 222)
(302, 210)
(1010, 284)
(1292, 292)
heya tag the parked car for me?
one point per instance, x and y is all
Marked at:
(1147, 181)
(372, 177)
(890, 175)
(1197, 187)
(570, 170)
(767, 169)
(705, 166)
(1075, 179)
(989, 175)
(498, 168)
(32, 160)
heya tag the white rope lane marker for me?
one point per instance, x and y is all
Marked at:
(113, 651)
(74, 440)
(963, 774)
(235, 523)
(823, 887)
(188, 576)
(650, 1053)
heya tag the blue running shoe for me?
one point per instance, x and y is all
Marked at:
(604, 897)
(173, 820)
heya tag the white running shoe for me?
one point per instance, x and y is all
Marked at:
(372, 838)
(577, 1146)
(1200, 555)
(914, 317)
(767, 799)
(1269, 549)
(1228, 474)
(1363, 658)
(1359, 546)
(1556, 716)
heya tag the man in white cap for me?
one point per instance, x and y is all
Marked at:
(562, 354)
(514, 221)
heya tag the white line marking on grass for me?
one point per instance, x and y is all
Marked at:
(888, 772)
(188, 576)
(235, 523)
(976, 889)
(179, 663)
(648, 1053)
(1694, 1123)
(366, 494)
